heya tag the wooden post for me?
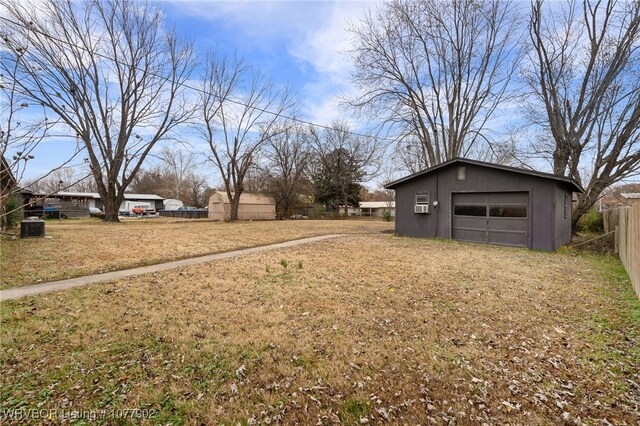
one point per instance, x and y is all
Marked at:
(616, 239)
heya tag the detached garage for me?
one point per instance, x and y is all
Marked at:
(480, 202)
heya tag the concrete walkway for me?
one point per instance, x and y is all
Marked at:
(32, 290)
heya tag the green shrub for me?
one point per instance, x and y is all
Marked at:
(386, 215)
(13, 218)
(591, 221)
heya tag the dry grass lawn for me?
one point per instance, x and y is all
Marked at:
(361, 329)
(82, 247)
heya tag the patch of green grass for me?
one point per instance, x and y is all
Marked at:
(612, 324)
(354, 409)
(304, 361)
(170, 411)
(620, 285)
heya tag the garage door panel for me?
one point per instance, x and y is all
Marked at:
(509, 238)
(475, 236)
(509, 225)
(521, 198)
(473, 198)
(497, 218)
(471, 222)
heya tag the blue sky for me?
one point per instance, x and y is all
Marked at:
(301, 43)
(296, 42)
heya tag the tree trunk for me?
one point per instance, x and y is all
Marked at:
(111, 210)
(346, 206)
(582, 206)
(112, 205)
(3, 219)
(235, 204)
(587, 200)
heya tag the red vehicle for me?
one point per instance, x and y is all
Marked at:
(138, 210)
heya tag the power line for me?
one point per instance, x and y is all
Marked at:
(197, 89)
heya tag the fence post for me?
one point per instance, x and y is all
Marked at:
(616, 240)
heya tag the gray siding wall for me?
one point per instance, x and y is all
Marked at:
(442, 183)
(563, 225)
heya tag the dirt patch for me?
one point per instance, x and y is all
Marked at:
(82, 247)
(354, 330)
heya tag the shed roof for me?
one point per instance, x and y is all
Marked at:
(247, 198)
(575, 185)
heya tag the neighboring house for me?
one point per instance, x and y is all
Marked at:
(482, 202)
(77, 204)
(252, 207)
(632, 198)
(351, 211)
(375, 208)
(370, 208)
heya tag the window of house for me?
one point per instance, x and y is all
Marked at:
(461, 173)
(422, 202)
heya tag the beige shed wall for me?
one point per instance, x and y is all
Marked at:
(252, 207)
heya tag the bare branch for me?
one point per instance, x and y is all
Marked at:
(109, 72)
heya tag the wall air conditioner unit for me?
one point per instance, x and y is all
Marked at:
(421, 208)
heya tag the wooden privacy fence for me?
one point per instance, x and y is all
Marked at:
(626, 222)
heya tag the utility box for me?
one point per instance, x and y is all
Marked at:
(32, 228)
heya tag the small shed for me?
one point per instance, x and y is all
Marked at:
(481, 202)
(252, 206)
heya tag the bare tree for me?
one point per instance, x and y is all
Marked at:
(180, 163)
(24, 126)
(435, 71)
(288, 155)
(63, 179)
(154, 180)
(196, 188)
(343, 161)
(162, 181)
(111, 74)
(240, 111)
(586, 79)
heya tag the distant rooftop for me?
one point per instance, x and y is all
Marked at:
(95, 195)
(631, 195)
(377, 204)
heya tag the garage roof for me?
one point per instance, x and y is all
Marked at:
(575, 185)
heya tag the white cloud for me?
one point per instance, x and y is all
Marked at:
(261, 21)
(325, 50)
(315, 35)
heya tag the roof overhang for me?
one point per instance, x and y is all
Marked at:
(575, 186)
